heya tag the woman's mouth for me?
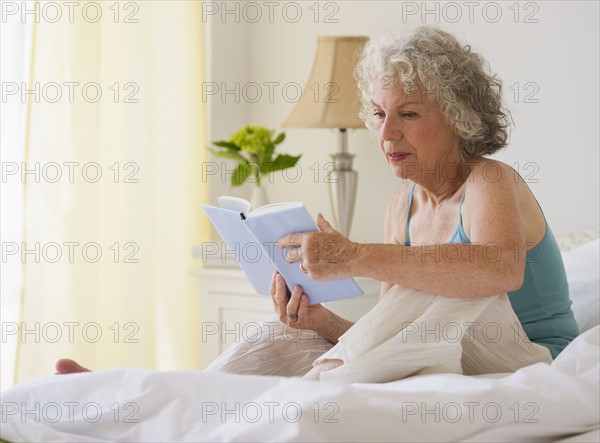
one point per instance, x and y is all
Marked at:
(397, 156)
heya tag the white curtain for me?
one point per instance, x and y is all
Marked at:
(113, 146)
(15, 42)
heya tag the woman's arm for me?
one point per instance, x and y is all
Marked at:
(494, 263)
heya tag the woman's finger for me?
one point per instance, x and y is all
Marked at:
(303, 308)
(293, 305)
(281, 297)
(272, 287)
(272, 290)
(293, 254)
(323, 224)
(294, 239)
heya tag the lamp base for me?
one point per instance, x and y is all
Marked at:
(342, 191)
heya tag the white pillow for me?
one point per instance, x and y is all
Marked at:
(567, 242)
(583, 274)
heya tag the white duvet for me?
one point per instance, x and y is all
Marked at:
(538, 402)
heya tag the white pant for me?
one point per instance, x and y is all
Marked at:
(408, 332)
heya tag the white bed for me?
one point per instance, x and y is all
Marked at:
(541, 402)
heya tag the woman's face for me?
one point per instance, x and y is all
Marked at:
(413, 135)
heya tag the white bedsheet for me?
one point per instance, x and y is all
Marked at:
(539, 402)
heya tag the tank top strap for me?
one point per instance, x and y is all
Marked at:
(462, 199)
(410, 200)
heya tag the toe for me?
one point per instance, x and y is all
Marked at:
(68, 366)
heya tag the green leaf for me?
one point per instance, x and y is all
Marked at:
(266, 158)
(284, 161)
(280, 138)
(229, 155)
(228, 145)
(241, 173)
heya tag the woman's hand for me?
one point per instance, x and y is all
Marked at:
(324, 255)
(295, 311)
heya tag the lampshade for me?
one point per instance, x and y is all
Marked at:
(330, 98)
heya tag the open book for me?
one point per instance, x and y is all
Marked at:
(252, 236)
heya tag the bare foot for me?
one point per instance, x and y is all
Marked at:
(326, 365)
(68, 366)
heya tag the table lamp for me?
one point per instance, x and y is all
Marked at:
(330, 100)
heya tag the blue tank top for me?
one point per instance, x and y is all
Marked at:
(542, 303)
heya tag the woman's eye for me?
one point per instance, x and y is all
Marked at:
(409, 114)
(379, 114)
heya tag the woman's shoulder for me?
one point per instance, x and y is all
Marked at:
(489, 171)
(493, 177)
(496, 187)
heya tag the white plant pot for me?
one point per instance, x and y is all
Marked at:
(259, 197)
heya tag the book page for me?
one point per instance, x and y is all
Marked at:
(273, 207)
(234, 204)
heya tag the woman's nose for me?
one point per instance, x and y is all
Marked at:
(389, 130)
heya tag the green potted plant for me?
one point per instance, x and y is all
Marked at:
(253, 148)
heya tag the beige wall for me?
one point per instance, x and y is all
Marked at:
(555, 60)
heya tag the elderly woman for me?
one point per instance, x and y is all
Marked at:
(472, 278)
(466, 244)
